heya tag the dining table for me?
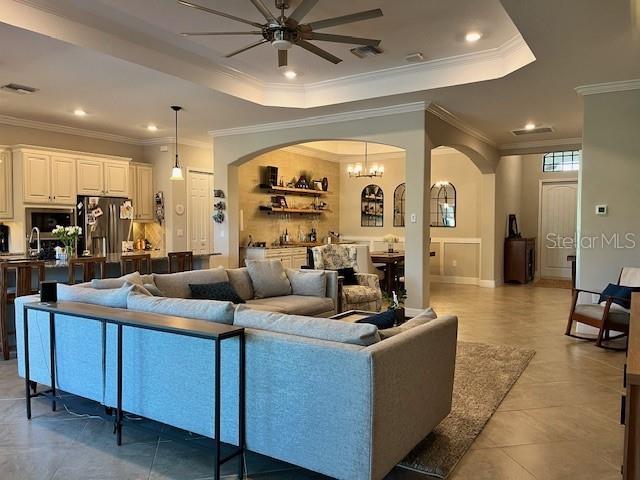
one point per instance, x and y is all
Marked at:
(391, 260)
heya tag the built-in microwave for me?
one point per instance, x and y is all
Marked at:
(46, 219)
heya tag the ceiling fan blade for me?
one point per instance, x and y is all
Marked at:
(302, 10)
(328, 37)
(195, 34)
(248, 47)
(283, 58)
(354, 17)
(310, 47)
(216, 12)
(264, 10)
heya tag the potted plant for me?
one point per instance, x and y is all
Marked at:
(390, 240)
(68, 236)
(396, 303)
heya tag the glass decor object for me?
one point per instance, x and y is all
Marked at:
(399, 205)
(443, 205)
(372, 206)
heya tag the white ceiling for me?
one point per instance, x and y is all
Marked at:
(575, 42)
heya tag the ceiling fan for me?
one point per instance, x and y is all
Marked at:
(284, 31)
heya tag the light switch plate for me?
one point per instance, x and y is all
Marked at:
(414, 218)
(602, 210)
(180, 232)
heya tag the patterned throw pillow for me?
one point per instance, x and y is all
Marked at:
(221, 291)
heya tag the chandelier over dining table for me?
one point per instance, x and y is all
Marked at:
(363, 170)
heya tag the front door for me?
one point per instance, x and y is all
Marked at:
(200, 210)
(558, 214)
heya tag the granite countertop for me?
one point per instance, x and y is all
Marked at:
(298, 245)
(111, 258)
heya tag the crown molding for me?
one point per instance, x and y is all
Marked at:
(608, 87)
(561, 142)
(22, 147)
(82, 132)
(171, 140)
(321, 120)
(446, 116)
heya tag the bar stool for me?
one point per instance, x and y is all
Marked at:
(89, 266)
(23, 286)
(183, 261)
(136, 260)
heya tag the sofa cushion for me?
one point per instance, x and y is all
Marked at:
(153, 289)
(311, 283)
(596, 312)
(113, 297)
(176, 285)
(241, 282)
(294, 304)
(221, 291)
(211, 310)
(360, 294)
(424, 317)
(268, 278)
(318, 328)
(110, 283)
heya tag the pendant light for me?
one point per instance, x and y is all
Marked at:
(176, 172)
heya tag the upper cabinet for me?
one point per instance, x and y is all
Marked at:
(6, 185)
(141, 192)
(90, 177)
(103, 177)
(52, 176)
(48, 178)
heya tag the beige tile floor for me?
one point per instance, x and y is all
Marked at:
(560, 421)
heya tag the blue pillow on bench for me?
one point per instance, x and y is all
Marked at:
(382, 320)
(621, 293)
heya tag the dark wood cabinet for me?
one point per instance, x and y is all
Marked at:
(519, 260)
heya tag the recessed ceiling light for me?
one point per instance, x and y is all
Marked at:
(530, 126)
(152, 128)
(78, 112)
(473, 37)
(290, 74)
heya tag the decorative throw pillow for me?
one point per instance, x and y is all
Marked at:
(381, 320)
(110, 283)
(309, 283)
(113, 297)
(221, 291)
(153, 290)
(176, 285)
(349, 275)
(241, 282)
(210, 310)
(268, 278)
(621, 293)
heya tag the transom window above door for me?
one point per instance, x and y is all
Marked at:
(562, 161)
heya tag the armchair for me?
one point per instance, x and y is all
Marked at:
(366, 295)
(606, 316)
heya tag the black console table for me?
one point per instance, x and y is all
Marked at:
(215, 332)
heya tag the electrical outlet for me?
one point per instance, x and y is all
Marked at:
(454, 263)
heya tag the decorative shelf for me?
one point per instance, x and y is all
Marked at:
(302, 211)
(294, 191)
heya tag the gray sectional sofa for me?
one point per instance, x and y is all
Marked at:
(327, 395)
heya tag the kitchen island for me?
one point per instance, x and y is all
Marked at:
(59, 270)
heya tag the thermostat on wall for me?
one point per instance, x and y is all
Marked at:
(601, 209)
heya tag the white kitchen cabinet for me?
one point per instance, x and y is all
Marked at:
(63, 180)
(36, 178)
(143, 201)
(6, 185)
(116, 179)
(292, 257)
(90, 177)
(100, 177)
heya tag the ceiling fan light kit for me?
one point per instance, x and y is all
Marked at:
(283, 32)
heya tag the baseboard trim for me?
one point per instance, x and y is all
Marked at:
(489, 283)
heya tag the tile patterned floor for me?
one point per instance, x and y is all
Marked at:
(560, 421)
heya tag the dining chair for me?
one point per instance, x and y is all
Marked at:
(89, 266)
(139, 262)
(180, 261)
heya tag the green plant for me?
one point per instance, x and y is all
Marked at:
(68, 236)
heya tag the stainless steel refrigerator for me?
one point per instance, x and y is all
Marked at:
(103, 226)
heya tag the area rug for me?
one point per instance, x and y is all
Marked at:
(484, 376)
